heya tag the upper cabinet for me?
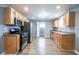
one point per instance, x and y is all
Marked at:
(55, 23)
(69, 19)
(21, 17)
(17, 14)
(9, 15)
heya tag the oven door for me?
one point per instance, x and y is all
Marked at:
(24, 41)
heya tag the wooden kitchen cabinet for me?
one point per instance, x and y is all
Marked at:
(11, 43)
(69, 19)
(51, 35)
(64, 41)
(55, 23)
(68, 42)
(9, 15)
(25, 19)
(17, 14)
(21, 18)
(56, 37)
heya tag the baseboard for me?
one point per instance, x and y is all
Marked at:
(76, 52)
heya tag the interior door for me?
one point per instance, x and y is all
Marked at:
(42, 29)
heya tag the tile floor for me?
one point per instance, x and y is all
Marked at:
(44, 46)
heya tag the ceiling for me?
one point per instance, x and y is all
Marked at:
(37, 11)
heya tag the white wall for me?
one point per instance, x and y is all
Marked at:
(63, 28)
(34, 29)
(48, 27)
(61, 22)
(3, 29)
(77, 32)
(76, 9)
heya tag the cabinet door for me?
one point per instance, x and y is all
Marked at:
(51, 36)
(24, 18)
(20, 17)
(60, 41)
(55, 23)
(65, 19)
(9, 15)
(54, 36)
(12, 15)
(72, 19)
(68, 42)
(10, 44)
(18, 42)
(17, 14)
(69, 19)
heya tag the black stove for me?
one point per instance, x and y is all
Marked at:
(23, 40)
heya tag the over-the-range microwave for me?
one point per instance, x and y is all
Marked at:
(17, 22)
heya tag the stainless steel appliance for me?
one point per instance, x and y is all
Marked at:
(23, 37)
(14, 31)
(26, 28)
(24, 40)
(17, 22)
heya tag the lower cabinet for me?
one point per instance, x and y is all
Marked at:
(68, 42)
(11, 43)
(51, 35)
(64, 41)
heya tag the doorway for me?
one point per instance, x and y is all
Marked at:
(41, 29)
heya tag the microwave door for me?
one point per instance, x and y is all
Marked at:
(17, 22)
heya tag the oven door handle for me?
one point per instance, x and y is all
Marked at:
(24, 36)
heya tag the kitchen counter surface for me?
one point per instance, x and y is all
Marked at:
(10, 34)
(63, 33)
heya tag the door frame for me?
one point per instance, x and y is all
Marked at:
(38, 29)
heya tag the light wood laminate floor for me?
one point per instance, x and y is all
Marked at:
(44, 46)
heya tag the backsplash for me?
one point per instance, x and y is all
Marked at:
(67, 29)
(63, 28)
(3, 29)
(9, 27)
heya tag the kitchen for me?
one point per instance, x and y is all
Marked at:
(18, 28)
(62, 31)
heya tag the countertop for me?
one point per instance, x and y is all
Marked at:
(10, 34)
(63, 33)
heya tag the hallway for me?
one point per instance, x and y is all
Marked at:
(44, 46)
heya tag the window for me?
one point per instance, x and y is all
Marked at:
(42, 25)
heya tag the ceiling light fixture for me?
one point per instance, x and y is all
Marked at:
(58, 7)
(26, 8)
(56, 15)
(42, 25)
